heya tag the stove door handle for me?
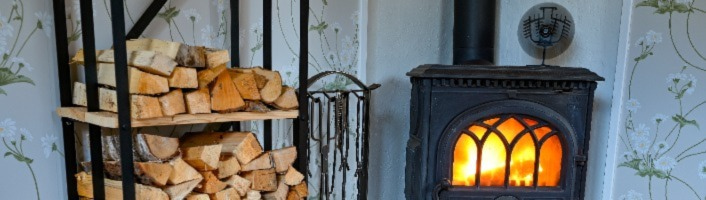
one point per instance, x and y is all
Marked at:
(440, 187)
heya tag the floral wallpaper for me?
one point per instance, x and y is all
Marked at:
(663, 136)
(31, 134)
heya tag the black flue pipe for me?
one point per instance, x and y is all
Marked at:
(474, 32)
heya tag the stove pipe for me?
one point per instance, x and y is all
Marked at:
(474, 32)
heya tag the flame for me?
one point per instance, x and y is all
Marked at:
(493, 160)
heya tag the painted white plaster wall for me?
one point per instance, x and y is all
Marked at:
(595, 46)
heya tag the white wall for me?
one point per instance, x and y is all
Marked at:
(595, 46)
(402, 35)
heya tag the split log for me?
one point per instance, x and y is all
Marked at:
(287, 100)
(227, 166)
(293, 177)
(173, 103)
(283, 158)
(153, 173)
(143, 107)
(262, 180)
(197, 196)
(273, 88)
(183, 77)
(292, 195)
(182, 172)
(240, 184)
(149, 61)
(224, 95)
(256, 106)
(114, 189)
(227, 194)
(112, 170)
(262, 162)
(150, 147)
(243, 145)
(107, 98)
(253, 195)
(216, 57)
(106, 74)
(111, 145)
(202, 158)
(198, 101)
(210, 184)
(302, 190)
(208, 75)
(279, 194)
(191, 56)
(247, 87)
(145, 83)
(180, 191)
(167, 48)
(79, 94)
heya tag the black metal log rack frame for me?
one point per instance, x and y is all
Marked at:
(121, 76)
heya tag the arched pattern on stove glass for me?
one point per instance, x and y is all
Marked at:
(514, 150)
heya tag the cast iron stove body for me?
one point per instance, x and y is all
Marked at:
(529, 125)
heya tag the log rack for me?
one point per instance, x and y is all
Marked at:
(122, 120)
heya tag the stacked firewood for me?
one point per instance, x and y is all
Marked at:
(170, 78)
(214, 165)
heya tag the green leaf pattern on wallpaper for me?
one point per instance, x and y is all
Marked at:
(16, 29)
(658, 148)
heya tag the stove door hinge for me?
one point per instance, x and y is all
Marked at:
(580, 160)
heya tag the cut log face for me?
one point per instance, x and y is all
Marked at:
(145, 83)
(207, 76)
(84, 184)
(243, 145)
(148, 61)
(216, 57)
(273, 88)
(210, 184)
(114, 189)
(106, 74)
(227, 194)
(107, 99)
(283, 158)
(183, 77)
(240, 184)
(256, 106)
(182, 172)
(288, 99)
(180, 191)
(153, 173)
(293, 177)
(292, 195)
(155, 148)
(198, 101)
(224, 95)
(247, 87)
(167, 48)
(197, 196)
(262, 162)
(191, 56)
(279, 194)
(227, 166)
(79, 97)
(302, 189)
(202, 158)
(253, 195)
(173, 103)
(262, 180)
(144, 107)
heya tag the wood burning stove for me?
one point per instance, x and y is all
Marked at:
(499, 132)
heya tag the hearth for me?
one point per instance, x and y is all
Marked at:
(499, 132)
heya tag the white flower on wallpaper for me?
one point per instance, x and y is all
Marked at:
(641, 131)
(49, 144)
(659, 118)
(660, 147)
(653, 37)
(702, 170)
(191, 15)
(26, 134)
(632, 105)
(207, 36)
(631, 195)
(21, 63)
(7, 128)
(640, 144)
(44, 22)
(665, 163)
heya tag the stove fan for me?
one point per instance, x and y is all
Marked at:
(547, 28)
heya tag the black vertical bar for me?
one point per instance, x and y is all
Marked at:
(366, 145)
(89, 47)
(62, 57)
(125, 129)
(235, 33)
(267, 60)
(145, 19)
(301, 130)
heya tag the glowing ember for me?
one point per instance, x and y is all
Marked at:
(522, 157)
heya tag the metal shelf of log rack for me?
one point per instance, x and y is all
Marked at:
(122, 121)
